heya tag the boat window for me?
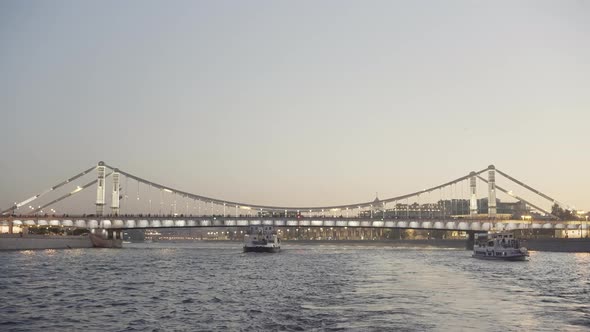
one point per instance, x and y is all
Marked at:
(491, 243)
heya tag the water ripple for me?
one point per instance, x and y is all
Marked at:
(216, 287)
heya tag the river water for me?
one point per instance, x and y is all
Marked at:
(216, 287)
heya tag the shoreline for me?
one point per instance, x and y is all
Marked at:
(579, 245)
(40, 242)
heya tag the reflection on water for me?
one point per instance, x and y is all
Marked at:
(214, 286)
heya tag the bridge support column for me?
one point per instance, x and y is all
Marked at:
(470, 240)
(115, 196)
(473, 191)
(100, 189)
(491, 192)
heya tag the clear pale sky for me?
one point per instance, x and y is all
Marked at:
(299, 102)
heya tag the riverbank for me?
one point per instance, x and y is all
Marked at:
(432, 243)
(558, 244)
(28, 242)
(31, 242)
(549, 244)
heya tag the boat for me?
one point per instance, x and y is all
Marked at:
(151, 236)
(261, 239)
(498, 246)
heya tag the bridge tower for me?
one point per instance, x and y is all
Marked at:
(100, 189)
(115, 194)
(473, 191)
(491, 191)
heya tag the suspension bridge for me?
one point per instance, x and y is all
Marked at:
(450, 210)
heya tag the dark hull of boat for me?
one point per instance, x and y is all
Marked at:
(261, 249)
(518, 258)
(99, 242)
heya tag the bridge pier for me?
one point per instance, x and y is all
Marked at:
(106, 238)
(470, 240)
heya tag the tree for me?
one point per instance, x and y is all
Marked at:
(563, 214)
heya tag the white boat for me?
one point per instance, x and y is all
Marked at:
(498, 246)
(151, 236)
(261, 239)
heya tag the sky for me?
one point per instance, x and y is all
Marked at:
(296, 102)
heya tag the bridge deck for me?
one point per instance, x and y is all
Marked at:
(179, 222)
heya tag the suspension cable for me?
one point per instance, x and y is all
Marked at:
(519, 198)
(31, 199)
(72, 193)
(528, 187)
(266, 207)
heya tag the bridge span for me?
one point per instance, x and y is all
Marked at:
(459, 224)
(441, 207)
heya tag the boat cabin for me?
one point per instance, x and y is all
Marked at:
(262, 234)
(495, 244)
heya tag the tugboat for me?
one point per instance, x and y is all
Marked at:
(498, 246)
(262, 239)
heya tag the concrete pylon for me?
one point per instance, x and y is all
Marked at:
(491, 192)
(473, 192)
(100, 189)
(115, 194)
